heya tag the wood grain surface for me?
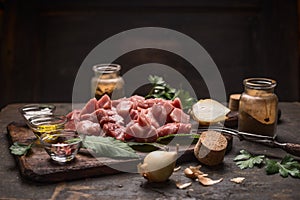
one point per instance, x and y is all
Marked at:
(257, 184)
(37, 165)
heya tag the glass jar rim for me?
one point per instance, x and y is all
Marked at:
(36, 108)
(259, 83)
(107, 68)
(62, 133)
(58, 120)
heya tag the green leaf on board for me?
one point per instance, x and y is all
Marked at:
(73, 140)
(184, 138)
(146, 147)
(20, 149)
(108, 147)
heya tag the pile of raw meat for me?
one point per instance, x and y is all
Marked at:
(130, 119)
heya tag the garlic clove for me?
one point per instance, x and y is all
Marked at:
(159, 159)
(158, 166)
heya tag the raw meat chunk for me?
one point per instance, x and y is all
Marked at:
(134, 118)
(104, 102)
(89, 107)
(177, 115)
(89, 128)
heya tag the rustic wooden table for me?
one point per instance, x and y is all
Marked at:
(257, 184)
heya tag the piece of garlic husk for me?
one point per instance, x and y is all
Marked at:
(158, 166)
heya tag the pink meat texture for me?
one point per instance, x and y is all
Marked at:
(130, 119)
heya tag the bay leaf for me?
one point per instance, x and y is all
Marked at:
(146, 147)
(108, 147)
(185, 138)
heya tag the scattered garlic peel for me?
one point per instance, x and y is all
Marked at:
(237, 180)
(207, 181)
(196, 170)
(189, 173)
(194, 173)
(183, 185)
(177, 169)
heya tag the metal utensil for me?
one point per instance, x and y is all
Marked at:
(292, 148)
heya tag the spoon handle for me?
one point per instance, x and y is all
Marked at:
(291, 148)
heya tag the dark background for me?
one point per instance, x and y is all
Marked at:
(43, 43)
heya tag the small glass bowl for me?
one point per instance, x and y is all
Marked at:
(61, 147)
(49, 124)
(31, 110)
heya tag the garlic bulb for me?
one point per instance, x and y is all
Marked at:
(158, 166)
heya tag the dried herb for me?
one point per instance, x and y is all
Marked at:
(20, 149)
(246, 160)
(287, 166)
(108, 147)
(161, 89)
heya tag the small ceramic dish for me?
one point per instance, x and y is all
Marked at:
(61, 147)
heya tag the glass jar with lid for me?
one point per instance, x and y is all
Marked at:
(258, 107)
(107, 80)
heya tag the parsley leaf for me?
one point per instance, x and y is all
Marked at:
(20, 149)
(271, 166)
(186, 99)
(246, 160)
(160, 89)
(287, 166)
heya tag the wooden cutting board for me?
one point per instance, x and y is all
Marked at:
(37, 166)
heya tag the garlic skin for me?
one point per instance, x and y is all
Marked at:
(158, 166)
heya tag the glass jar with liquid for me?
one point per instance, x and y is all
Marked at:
(47, 124)
(107, 80)
(258, 107)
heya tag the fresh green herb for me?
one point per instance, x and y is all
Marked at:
(247, 160)
(108, 147)
(287, 166)
(20, 149)
(161, 89)
(186, 99)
